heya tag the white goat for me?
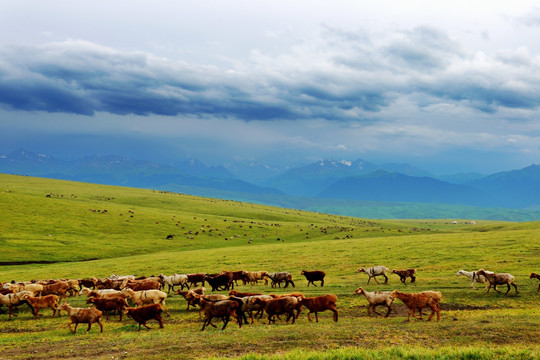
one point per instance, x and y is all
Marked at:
(376, 298)
(173, 280)
(473, 277)
(375, 271)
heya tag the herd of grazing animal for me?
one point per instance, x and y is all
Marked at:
(147, 296)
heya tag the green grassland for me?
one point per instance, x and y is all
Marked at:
(53, 229)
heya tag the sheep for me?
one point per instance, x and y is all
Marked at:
(536, 276)
(283, 305)
(36, 289)
(255, 276)
(320, 303)
(376, 298)
(420, 300)
(473, 276)
(109, 304)
(189, 295)
(375, 271)
(14, 300)
(279, 277)
(82, 316)
(147, 297)
(404, 274)
(223, 309)
(248, 306)
(50, 301)
(312, 276)
(143, 314)
(498, 279)
(173, 280)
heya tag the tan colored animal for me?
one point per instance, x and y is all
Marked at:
(14, 300)
(417, 301)
(375, 271)
(59, 288)
(145, 297)
(376, 298)
(82, 316)
(37, 303)
(498, 279)
(36, 289)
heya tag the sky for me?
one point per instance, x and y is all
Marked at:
(448, 86)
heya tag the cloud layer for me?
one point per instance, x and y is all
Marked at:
(419, 91)
(346, 76)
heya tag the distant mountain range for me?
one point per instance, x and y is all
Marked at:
(358, 180)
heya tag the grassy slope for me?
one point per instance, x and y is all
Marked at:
(474, 323)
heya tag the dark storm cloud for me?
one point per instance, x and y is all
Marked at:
(339, 77)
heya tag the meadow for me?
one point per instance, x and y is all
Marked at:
(60, 229)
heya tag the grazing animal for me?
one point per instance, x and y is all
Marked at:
(190, 295)
(242, 294)
(36, 289)
(247, 305)
(146, 313)
(498, 279)
(320, 303)
(312, 276)
(223, 281)
(404, 274)
(473, 276)
(14, 300)
(194, 279)
(536, 276)
(375, 271)
(140, 285)
(174, 280)
(279, 306)
(112, 304)
(255, 276)
(376, 298)
(222, 309)
(279, 277)
(417, 301)
(87, 283)
(148, 297)
(82, 316)
(59, 288)
(37, 303)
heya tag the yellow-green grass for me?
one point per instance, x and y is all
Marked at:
(474, 325)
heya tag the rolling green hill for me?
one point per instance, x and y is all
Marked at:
(60, 229)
